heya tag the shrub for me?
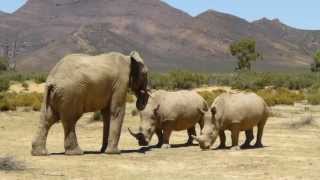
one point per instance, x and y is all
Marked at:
(130, 98)
(210, 96)
(313, 94)
(10, 101)
(97, 116)
(25, 85)
(4, 84)
(280, 96)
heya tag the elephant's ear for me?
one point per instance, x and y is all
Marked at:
(136, 58)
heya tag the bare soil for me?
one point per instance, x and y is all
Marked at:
(290, 152)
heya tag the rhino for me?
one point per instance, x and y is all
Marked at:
(170, 111)
(235, 112)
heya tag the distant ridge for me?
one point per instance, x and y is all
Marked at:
(43, 31)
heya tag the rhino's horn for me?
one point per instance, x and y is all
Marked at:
(195, 138)
(132, 133)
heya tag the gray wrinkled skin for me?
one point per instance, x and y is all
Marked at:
(235, 112)
(167, 112)
(81, 83)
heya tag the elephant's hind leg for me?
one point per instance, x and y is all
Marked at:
(70, 138)
(106, 127)
(191, 132)
(47, 119)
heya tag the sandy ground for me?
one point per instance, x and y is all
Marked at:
(290, 152)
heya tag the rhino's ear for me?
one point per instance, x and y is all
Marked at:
(156, 111)
(213, 110)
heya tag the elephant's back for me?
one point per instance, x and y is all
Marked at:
(81, 66)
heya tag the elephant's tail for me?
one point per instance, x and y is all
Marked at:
(49, 89)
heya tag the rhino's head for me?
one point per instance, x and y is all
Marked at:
(148, 119)
(209, 132)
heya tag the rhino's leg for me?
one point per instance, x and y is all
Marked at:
(70, 137)
(259, 134)
(191, 132)
(235, 136)
(106, 126)
(160, 137)
(166, 136)
(249, 138)
(47, 119)
(222, 137)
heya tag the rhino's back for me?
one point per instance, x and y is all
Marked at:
(247, 109)
(181, 108)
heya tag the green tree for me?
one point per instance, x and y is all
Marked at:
(4, 65)
(245, 51)
(315, 66)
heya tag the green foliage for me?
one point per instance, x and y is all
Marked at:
(210, 96)
(4, 84)
(4, 64)
(25, 85)
(97, 116)
(280, 96)
(10, 101)
(313, 94)
(130, 98)
(245, 51)
(315, 66)
(178, 80)
(21, 77)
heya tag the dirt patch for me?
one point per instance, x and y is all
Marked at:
(289, 153)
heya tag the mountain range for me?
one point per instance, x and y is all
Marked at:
(41, 32)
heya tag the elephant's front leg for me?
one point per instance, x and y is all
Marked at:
(117, 115)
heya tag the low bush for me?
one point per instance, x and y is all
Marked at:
(313, 94)
(210, 96)
(280, 96)
(130, 98)
(10, 101)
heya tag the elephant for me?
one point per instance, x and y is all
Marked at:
(235, 112)
(82, 83)
(169, 111)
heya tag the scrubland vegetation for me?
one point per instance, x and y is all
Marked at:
(275, 88)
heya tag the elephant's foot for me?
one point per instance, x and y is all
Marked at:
(113, 151)
(74, 152)
(166, 146)
(258, 145)
(235, 148)
(39, 152)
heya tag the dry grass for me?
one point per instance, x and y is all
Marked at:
(289, 154)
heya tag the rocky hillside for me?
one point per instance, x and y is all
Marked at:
(43, 31)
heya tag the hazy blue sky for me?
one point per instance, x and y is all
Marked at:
(297, 13)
